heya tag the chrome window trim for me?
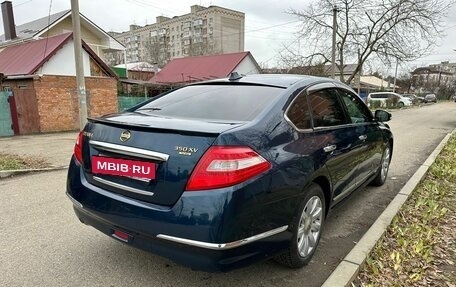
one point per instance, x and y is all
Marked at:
(74, 201)
(319, 87)
(131, 151)
(223, 246)
(287, 119)
(123, 187)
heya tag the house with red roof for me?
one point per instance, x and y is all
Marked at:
(41, 78)
(55, 24)
(38, 71)
(201, 68)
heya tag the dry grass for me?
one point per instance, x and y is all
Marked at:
(12, 162)
(419, 247)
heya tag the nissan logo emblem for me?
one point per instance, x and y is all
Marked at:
(125, 135)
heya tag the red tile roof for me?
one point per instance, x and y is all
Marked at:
(26, 58)
(191, 69)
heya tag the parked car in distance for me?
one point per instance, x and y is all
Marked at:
(430, 98)
(414, 98)
(388, 99)
(219, 174)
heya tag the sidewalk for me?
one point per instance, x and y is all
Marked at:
(56, 148)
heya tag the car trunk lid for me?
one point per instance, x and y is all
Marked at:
(148, 158)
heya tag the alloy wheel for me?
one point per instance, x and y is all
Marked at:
(310, 226)
(385, 163)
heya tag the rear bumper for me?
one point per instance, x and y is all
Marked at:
(182, 233)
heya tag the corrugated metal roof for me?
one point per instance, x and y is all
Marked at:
(30, 29)
(26, 58)
(199, 68)
(375, 82)
(138, 66)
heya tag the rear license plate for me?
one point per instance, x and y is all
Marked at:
(123, 167)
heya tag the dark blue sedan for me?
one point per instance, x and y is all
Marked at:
(219, 174)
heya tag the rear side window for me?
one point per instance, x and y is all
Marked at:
(326, 109)
(213, 102)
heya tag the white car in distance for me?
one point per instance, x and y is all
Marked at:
(388, 98)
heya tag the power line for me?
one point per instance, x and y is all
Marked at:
(47, 33)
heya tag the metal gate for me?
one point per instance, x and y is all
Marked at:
(6, 123)
(27, 111)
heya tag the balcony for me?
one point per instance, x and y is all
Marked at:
(198, 22)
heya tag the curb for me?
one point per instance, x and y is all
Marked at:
(10, 173)
(348, 269)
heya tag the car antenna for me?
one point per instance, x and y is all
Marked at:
(234, 76)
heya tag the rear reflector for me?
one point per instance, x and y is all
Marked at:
(121, 235)
(78, 147)
(223, 166)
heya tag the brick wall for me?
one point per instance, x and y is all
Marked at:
(57, 100)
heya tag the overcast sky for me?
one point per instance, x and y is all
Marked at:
(267, 29)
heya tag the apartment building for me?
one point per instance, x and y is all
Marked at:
(204, 31)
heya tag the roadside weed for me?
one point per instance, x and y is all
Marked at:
(418, 248)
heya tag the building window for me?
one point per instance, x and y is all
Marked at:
(198, 22)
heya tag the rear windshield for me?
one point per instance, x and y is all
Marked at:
(213, 102)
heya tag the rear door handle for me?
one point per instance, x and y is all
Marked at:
(330, 148)
(362, 137)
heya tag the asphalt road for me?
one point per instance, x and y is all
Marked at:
(43, 244)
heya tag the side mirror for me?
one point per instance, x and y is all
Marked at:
(382, 116)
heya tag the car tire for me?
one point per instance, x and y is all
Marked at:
(383, 169)
(306, 227)
(400, 105)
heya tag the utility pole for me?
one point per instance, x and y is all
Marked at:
(395, 75)
(333, 55)
(359, 72)
(80, 82)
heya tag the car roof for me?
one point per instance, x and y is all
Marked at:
(278, 80)
(383, 93)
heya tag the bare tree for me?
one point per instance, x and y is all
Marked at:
(200, 46)
(388, 30)
(155, 50)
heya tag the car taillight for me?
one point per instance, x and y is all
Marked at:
(223, 166)
(78, 147)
